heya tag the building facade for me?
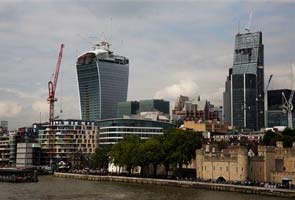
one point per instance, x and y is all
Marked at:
(127, 108)
(227, 99)
(229, 164)
(154, 105)
(69, 137)
(195, 110)
(274, 164)
(276, 116)
(246, 83)
(103, 82)
(114, 130)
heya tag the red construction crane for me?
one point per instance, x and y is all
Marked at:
(51, 99)
(52, 87)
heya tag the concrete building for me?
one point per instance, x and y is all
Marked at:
(113, 130)
(3, 127)
(245, 83)
(4, 150)
(103, 82)
(210, 126)
(69, 137)
(28, 155)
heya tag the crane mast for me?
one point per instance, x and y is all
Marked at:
(288, 104)
(51, 99)
(52, 87)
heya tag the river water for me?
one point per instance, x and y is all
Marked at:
(50, 187)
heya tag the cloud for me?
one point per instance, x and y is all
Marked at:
(184, 87)
(40, 106)
(9, 109)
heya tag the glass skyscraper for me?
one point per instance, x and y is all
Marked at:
(247, 82)
(103, 82)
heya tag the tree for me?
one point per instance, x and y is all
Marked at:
(100, 159)
(151, 153)
(126, 152)
(180, 147)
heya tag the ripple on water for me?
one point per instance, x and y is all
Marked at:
(50, 188)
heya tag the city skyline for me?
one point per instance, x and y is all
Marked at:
(176, 48)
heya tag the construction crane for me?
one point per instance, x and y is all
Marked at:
(52, 87)
(51, 99)
(287, 104)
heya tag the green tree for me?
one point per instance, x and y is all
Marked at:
(100, 159)
(151, 153)
(180, 147)
(126, 152)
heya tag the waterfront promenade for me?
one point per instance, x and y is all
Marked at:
(187, 184)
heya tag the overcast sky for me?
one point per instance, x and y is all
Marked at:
(174, 48)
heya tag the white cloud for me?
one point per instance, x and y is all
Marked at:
(184, 87)
(40, 106)
(9, 109)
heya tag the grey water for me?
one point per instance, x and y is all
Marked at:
(50, 187)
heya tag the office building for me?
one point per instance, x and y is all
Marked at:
(276, 116)
(3, 127)
(154, 105)
(247, 83)
(227, 99)
(113, 130)
(103, 82)
(127, 108)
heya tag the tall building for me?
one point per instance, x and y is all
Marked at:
(103, 82)
(247, 82)
(227, 99)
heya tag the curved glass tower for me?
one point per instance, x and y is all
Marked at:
(103, 82)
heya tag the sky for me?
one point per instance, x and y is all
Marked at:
(174, 47)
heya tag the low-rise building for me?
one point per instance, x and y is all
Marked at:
(229, 164)
(273, 164)
(211, 126)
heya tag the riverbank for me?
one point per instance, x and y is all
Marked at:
(187, 184)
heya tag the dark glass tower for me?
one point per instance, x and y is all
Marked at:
(103, 82)
(247, 82)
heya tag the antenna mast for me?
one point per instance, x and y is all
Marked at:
(249, 23)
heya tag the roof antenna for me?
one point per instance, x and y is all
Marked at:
(239, 27)
(249, 23)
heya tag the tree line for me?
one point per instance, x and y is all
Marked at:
(171, 150)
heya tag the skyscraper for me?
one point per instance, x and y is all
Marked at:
(247, 82)
(103, 82)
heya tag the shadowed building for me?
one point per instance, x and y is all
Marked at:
(103, 82)
(246, 83)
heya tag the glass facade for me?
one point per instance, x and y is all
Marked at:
(114, 130)
(276, 116)
(103, 82)
(154, 105)
(127, 108)
(248, 82)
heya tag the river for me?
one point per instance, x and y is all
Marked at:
(50, 187)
